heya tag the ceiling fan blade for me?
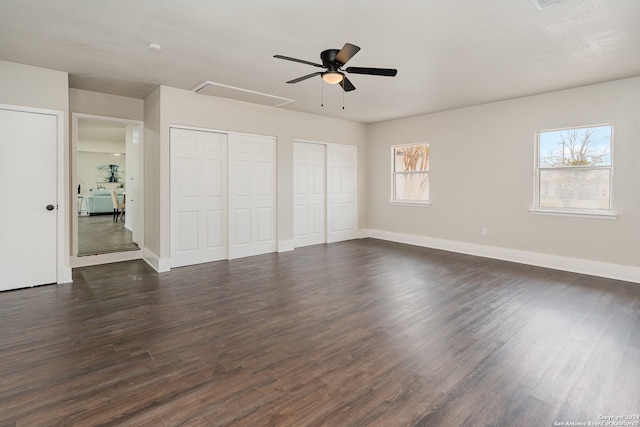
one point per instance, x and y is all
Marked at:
(347, 85)
(390, 72)
(346, 53)
(302, 61)
(308, 76)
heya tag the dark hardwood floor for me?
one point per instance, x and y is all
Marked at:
(359, 333)
(98, 234)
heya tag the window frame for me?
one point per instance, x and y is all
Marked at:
(393, 199)
(568, 210)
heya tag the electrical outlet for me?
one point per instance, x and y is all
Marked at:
(485, 231)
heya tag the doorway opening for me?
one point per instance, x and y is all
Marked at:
(107, 183)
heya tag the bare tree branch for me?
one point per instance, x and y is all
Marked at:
(578, 147)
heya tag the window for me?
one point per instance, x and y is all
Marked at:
(574, 170)
(410, 173)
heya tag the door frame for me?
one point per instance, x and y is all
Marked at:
(82, 261)
(63, 273)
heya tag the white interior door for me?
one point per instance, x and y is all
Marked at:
(342, 192)
(28, 169)
(252, 213)
(309, 194)
(198, 197)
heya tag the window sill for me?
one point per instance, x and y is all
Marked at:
(575, 213)
(410, 203)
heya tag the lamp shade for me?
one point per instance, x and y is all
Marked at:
(332, 77)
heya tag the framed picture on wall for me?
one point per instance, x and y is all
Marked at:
(110, 173)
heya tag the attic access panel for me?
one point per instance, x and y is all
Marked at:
(543, 4)
(239, 94)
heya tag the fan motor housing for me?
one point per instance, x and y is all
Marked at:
(329, 59)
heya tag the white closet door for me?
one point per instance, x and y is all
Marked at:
(309, 194)
(342, 192)
(252, 216)
(198, 197)
(28, 171)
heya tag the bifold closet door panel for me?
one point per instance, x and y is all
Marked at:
(342, 192)
(309, 214)
(252, 197)
(198, 197)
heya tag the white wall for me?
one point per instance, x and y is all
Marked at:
(29, 86)
(482, 161)
(153, 198)
(101, 104)
(88, 162)
(185, 108)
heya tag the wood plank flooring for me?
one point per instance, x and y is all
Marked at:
(98, 234)
(359, 333)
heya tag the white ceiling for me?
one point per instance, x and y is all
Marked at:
(449, 54)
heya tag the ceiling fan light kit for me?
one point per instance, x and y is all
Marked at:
(332, 77)
(333, 60)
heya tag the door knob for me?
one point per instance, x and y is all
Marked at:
(50, 207)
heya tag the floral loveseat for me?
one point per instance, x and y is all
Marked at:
(99, 201)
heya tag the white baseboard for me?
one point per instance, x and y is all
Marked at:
(574, 265)
(65, 275)
(160, 265)
(286, 245)
(363, 233)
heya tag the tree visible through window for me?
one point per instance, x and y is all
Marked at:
(574, 168)
(411, 173)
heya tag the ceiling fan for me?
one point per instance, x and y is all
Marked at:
(333, 60)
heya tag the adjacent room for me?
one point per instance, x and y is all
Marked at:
(290, 214)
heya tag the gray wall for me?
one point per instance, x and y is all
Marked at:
(482, 175)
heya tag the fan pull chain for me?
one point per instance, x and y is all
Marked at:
(343, 99)
(321, 94)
